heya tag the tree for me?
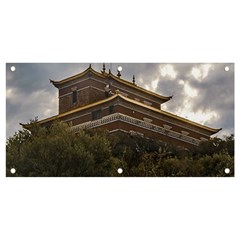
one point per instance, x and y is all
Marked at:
(215, 145)
(57, 151)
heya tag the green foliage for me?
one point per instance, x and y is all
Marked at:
(214, 166)
(130, 148)
(57, 151)
(216, 145)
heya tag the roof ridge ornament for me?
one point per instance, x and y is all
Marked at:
(119, 69)
(134, 80)
(90, 65)
(103, 69)
(119, 74)
(59, 83)
(108, 91)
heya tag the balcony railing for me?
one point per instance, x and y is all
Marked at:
(147, 125)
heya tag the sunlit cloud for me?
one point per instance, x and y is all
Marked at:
(201, 72)
(203, 117)
(140, 80)
(205, 69)
(9, 93)
(199, 116)
(190, 91)
(41, 99)
(168, 70)
(181, 82)
(13, 95)
(42, 104)
(147, 87)
(196, 73)
(164, 107)
(48, 112)
(192, 86)
(154, 84)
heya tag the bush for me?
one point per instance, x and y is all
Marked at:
(58, 152)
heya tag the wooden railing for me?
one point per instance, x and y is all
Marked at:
(147, 125)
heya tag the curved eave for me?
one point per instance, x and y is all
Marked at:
(89, 69)
(212, 130)
(106, 75)
(164, 98)
(76, 110)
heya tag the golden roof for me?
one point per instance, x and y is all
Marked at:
(213, 130)
(106, 75)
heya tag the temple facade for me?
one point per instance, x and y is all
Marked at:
(93, 99)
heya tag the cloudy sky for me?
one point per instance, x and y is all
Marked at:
(201, 92)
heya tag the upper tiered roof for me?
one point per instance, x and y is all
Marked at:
(104, 75)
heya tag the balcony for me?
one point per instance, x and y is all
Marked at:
(133, 121)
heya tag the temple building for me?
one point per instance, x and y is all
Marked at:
(93, 99)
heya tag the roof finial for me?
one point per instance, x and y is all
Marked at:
(133, 80)
(103, 69)
(109, 71)
(119, 69)
(90, 65)
(119, 74)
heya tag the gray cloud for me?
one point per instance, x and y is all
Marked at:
(30, 94)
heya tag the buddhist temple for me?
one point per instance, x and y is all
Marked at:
(93, 99)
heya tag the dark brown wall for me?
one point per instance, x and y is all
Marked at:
(136, 112)
(147, 133)
(85, 96)
(91, 89)
(150, 114)
(86, 114)
(150, 134)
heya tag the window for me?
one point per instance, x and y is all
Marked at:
(96, 115)
(74, 97)
(111, 109)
